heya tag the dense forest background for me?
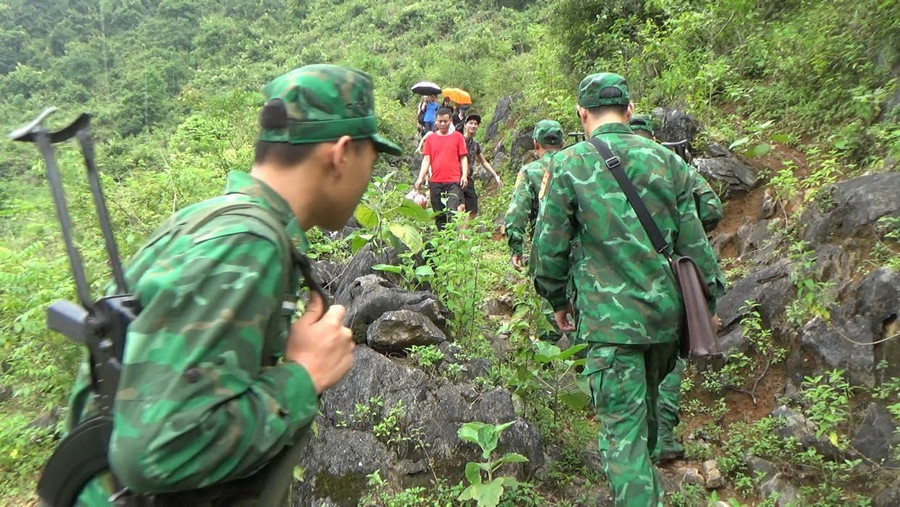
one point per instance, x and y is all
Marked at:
(174, 89)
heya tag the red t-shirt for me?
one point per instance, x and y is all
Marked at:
(445, 152)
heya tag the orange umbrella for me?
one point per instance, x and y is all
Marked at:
(457, 95)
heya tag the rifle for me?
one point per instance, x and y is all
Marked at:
(101, 324)
(681, 148)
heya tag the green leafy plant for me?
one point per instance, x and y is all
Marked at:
(426, 357)
(486, 490)
(828, 397)
(813, 297)
(382, 215)
(743, 372)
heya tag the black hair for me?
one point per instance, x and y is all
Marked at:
(274, 116)
(615, 108)
(443, 110)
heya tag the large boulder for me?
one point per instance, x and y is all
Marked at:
(398, 330)
(855, 205)
(674, 125)
(369, 297)
(770, 287)
(415, 418)
(521, 149)
(738, 177)
(361, 265)
(877, 436)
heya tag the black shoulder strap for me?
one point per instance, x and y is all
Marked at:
(615, 167)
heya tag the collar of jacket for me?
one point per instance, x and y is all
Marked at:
(612, 128)
(240, 182)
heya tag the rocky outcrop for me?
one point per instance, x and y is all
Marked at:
(738, 177)
(502, 114)
(403, 423)
(369, 297)
(859, 333)
(877, 436)
(399, 330)
(674, 125)
(770, 288)
(855, 206)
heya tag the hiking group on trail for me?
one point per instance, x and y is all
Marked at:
(593, 261)
(218, 386)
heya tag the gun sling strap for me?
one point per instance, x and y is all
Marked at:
(83, 453)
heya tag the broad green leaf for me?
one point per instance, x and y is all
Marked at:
(469, 431)
(473, 473)
(740, 142)
(357, 242)
(488, 495)
(765, 125)
(780, 138)
(761, 149)
(366, 216)
(576, 400)
(513, 457)
(546, 352)
(408, 236)
(390, 268)
(509, 482)
(412, 210)
(424, 271)
(571, 351)
(468, 493)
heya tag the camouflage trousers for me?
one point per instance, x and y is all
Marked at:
(624, 382)
(667, 408)
(552, 335)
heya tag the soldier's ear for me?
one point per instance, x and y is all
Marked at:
(629, 112)
(339, 155)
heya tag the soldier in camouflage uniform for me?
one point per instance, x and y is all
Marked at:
(709, 206)
(523, 208)
(709, 209)
(215, 382)
(629, 309)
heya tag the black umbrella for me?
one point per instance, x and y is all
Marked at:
(425, 88)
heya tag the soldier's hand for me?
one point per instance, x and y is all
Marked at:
(499, 182)
(518, 262)
(464, 181)
(319, 342)
(418, 184)
(716, 323)
(562, 319)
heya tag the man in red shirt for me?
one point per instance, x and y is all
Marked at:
(445, 153)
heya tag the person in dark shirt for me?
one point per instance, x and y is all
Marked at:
(470, 197)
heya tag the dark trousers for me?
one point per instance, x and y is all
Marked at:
(451, 193)
(470, 197)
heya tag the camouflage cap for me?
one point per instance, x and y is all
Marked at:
(548, 132)
(325, 102)
(603, 89)
(641, 122)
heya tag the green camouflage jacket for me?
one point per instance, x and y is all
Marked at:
(626, 293)
(709, 207)
(523, 208)
(197, 404)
